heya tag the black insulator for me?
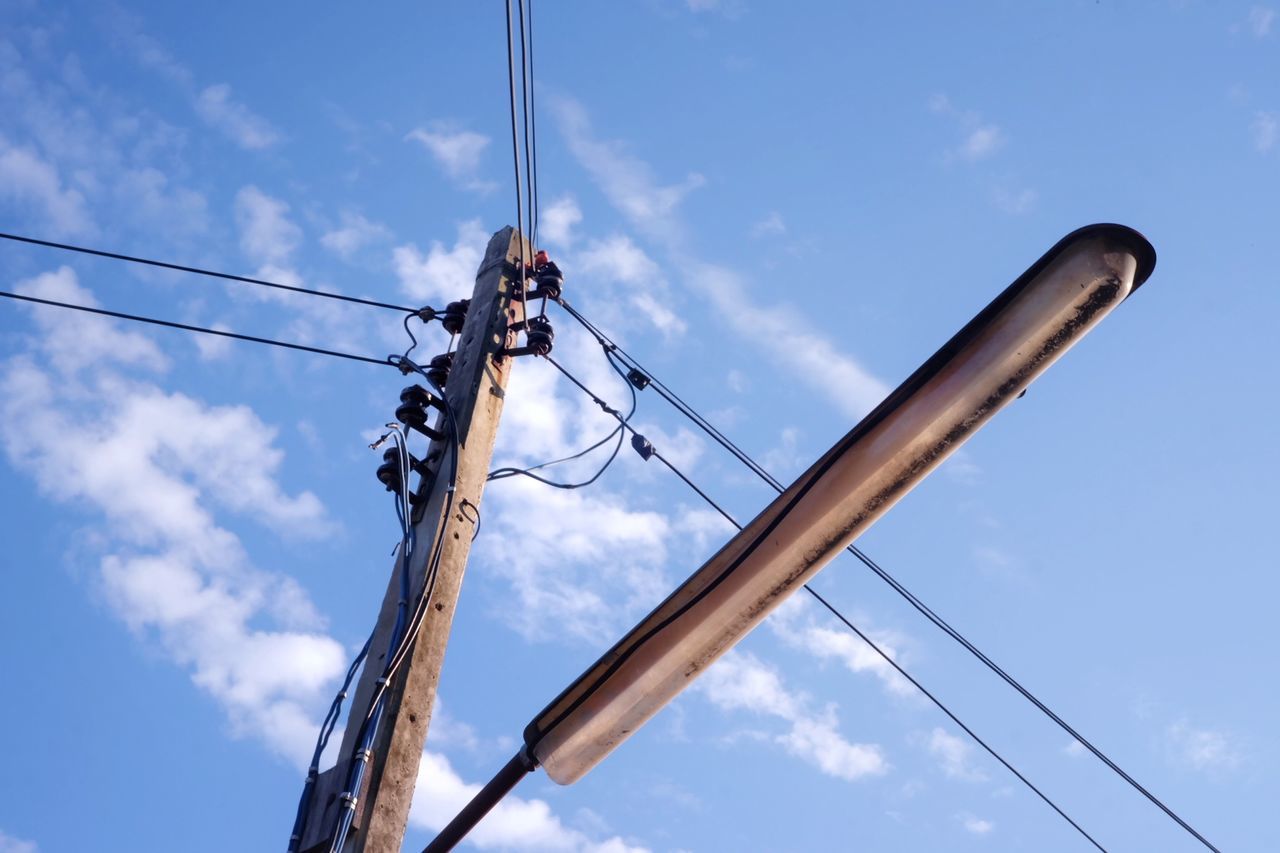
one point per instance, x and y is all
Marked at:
(638, 379)
(438, 369)
(411, 415)
(539, 335)
(455, 315)
(643, 446)
(421, 397)
(389, 471)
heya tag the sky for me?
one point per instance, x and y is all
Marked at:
(781, 210)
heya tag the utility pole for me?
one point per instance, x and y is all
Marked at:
(475, 390)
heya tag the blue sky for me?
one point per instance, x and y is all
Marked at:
(782, 212)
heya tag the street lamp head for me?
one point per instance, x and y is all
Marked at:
(987, 364)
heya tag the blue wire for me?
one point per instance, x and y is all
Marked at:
(397, 648)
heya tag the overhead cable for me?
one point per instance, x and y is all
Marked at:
(67, 247)
(849, 624)
(188, 328)
(612, 350)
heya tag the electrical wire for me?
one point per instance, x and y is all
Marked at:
(326, 730)
(612, 351)
(515, 144)
(525, 75)
(187, 328)
(205, 272)
(533, 132)
(407, 626)
(941, 706)
(619, 431)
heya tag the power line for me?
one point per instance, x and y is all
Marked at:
(115, 256)
(526, 75)
(186, 328)
(533, 126)
(941, 706)
(612, 350)
(515, 140)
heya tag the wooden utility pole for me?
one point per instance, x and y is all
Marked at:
(475, 391)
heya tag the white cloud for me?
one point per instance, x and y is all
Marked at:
(9, 844)
(980, 138)
(1201, 749)
(156, 201)
(975, 825)
(739, 681)
(794, 622)
(235, 120)
(267, 234)
(442, 275)
(1266, 130)
(353, 234)
(161, 469)
(213, 347)
(617, 259)
(981, 142)
(1075, 749)
(1016, 202)
(458, 152)
(1260, 20)
(557, 221)
(34, 183)
(781, 330)
(953, 756)
(771, 226)
(515, 823)
(628, 182)
(630, 186)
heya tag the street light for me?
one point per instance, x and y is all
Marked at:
(990, 362)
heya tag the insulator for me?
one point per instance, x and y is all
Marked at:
(421, 397)
(389, 471)
(539, 335)
(547, 278)
(455, 316)
(438, 369)
(642, 446)
(412, 411)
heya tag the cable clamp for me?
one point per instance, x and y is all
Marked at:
(365, 755)
(348, 800)
(426, 313)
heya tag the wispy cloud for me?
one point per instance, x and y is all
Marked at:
(233, 119)
(652, 208)
(353, 234)
(1201, 749)
(557, 221)
(794, 622)
(975, 825)
(9, 844)
(954, 756)
(442, 274)
(771, 226)
(740, 681)
(979, 138)
(458, 152)
(267, 234)
(163, 470)
(1016, 202)
(1266, 130)
(1260, 20)
(35, 184)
